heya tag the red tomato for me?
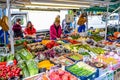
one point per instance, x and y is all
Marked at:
(15, 62)
(52, 42)
(3, 63)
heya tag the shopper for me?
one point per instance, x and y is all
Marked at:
(81, 23)
(4, 35)
(17, 29)
(30, 31)
(55, 30)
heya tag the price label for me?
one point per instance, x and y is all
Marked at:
(118, 50)
(3, 50)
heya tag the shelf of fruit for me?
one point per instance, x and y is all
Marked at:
(38, 57)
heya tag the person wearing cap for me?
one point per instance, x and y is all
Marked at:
(17, 29)
(30, 31)
(55, 29)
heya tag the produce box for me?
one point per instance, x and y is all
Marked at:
(41, 76)
(59, 74)
(106, 76)
(35, 47)
(115, 66)
(62, 60)
(117, 74)
(61, 50)
(103, 70)
(32, 77)
(47, 64)
(74, 57)
(82, 71)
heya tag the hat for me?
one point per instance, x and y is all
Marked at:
(57, 20)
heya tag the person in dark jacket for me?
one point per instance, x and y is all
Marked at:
(17, 29)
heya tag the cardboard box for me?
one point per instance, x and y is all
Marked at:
(117, 74)
(102, 71)
(106, 76)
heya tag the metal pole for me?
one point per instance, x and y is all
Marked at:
(106, 21)
(10, 26)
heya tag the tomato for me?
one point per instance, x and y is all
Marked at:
(3, 63)
(49, 46)
(5, 71)
(52, 42)
(56, 44)
(15, 62)
(17, 71)
(16, 75)
(8, 69)
(10, 74)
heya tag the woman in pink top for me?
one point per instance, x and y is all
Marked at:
(55, 30)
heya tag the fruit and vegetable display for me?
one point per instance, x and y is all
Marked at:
(20, 41)
(61, 75)
(75, 36)
(29, 68)
(81, 39)
(81, 69)
(96, 37)
(35, 47)
(50, 53)
(42, 76)
(51, 44)
(96, 50)
(8, 67)
(9, 71)
(71, 47)
(26, 63)
(107, 59)
(24, 55)
(45, 64)
(7, 57)
(75, 57)
(74, 41)
(62, 60)
(61, 49)
(44, 42)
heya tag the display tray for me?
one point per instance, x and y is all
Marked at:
(32, 77)
(90, 77)
(62, 60)
(74, 57)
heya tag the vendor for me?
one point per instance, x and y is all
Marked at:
(81, 23)
(17, 29)
(55, 30)
(30, 31)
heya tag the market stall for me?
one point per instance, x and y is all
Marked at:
(72, 57)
